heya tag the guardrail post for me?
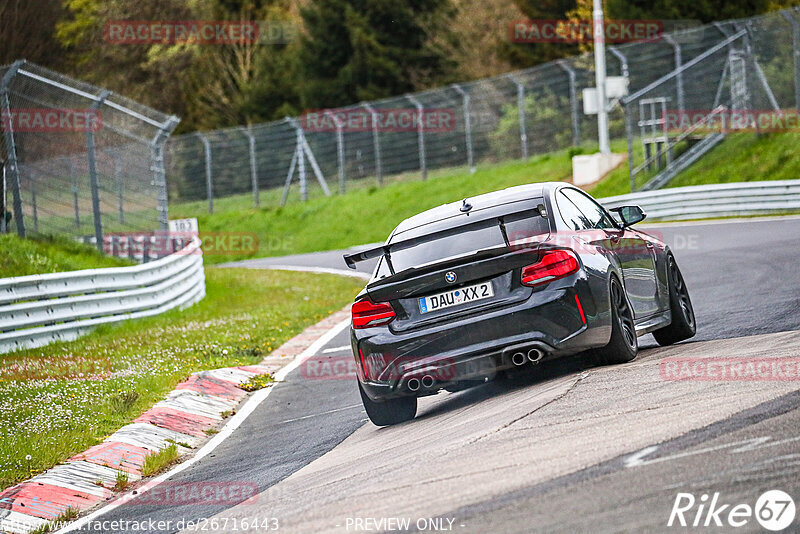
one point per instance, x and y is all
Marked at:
(339, 150)
(251, 142)
(678, 63)
(159, 172)
(93, 186)
(376, 142)
(209, 180)
(523, 135)
(423, 165)
(11, 147)
(467, 126)
(795, 54)
(573, 102)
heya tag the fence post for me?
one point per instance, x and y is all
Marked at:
(678, 63)
(467, 126)
(209, 183)
(629, 134)
(73, 183)
(301, 165)
(423, 165)
(573, 101)
(118, 184)
(251, 140)
(523, 136)
(93, 186)
(376, 142)
(11, 148)
(623, 61)
(3, 201)
(32, 178)
(795, 54)
(159, 172)
(339, 150)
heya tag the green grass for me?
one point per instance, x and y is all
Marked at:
(156, 462)
(742, 157)
(48, 254)
(58, 400)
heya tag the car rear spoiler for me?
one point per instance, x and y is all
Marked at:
(386, 250)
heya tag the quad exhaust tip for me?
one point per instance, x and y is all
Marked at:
(413, 384)
(427, 381)
(534, 355)
(518, 358)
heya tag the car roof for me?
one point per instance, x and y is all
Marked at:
(486, 201)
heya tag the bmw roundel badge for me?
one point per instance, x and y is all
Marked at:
(450, 277)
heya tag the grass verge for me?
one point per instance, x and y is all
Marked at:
(58, 400)
(49, 254)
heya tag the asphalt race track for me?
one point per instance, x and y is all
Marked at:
(567, 447)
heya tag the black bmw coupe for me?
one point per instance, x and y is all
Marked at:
(505, 280)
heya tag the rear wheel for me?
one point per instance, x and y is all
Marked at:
(624, 344)
(390, 411)
(683, 323)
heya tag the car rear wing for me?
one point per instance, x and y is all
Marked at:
(386, 250)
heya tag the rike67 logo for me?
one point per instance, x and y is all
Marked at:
(774, 510)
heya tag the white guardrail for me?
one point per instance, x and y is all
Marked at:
(39, 309)
(710, 201)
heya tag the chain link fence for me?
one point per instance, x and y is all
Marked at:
(79, 160)
(514, 116)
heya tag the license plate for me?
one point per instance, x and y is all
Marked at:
(455, 297)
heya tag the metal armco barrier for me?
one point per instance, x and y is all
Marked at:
(710, 201)
(39, 309)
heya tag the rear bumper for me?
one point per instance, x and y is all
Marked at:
(478, 346)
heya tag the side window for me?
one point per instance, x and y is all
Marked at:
(571, 214)
(596, 215)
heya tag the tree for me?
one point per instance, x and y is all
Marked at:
(366, 49)
(26, 31)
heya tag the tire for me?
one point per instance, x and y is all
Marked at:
(624, 344)
(683, 325)
(390, 411)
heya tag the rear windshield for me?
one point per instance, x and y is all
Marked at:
(519, 228)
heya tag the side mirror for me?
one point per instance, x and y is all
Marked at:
(630, 215)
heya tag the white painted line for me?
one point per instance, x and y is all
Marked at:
(359, 405)
(337, 349)
(234, 423)
(326, 270)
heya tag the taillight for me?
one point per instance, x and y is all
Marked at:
(367, 313)
(554, 264)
